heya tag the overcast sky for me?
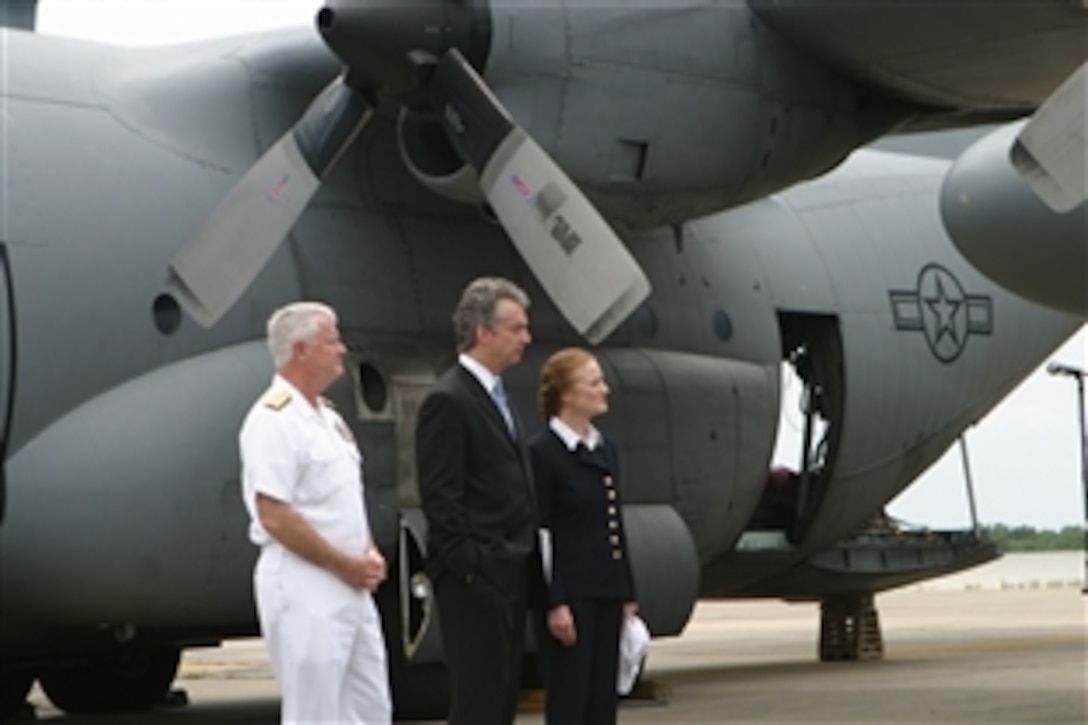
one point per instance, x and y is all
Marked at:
(1024, 457)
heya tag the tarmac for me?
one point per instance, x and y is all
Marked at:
(974, 656)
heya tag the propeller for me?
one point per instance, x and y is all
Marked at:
(421, 53)
(574, 254)
(217, 265)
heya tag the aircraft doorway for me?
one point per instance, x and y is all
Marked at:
(809, 424)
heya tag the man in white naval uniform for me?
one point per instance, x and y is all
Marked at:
(302, 485)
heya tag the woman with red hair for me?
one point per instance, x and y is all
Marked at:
(590, 585)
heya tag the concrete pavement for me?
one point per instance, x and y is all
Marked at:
(1012, 656)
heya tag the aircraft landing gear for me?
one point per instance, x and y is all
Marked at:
(850, 629)
(136, 680)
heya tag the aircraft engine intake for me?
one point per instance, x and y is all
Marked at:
(425, 55)
(428, 154)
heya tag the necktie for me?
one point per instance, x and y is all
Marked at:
(499, 394)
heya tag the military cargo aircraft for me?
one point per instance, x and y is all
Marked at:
(674, 182)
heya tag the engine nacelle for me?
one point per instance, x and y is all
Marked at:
(1009, 234)
(665, 564)
(664, 112)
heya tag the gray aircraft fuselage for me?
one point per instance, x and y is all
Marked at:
(122, 517)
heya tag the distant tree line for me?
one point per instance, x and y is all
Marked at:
(1028, 538)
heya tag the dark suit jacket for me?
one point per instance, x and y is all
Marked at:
(476, 487)
(579, 502)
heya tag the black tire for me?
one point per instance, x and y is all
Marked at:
(128, 682)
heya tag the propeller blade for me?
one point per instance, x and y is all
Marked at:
(217, 265)
(577, 258)
(1051, 152)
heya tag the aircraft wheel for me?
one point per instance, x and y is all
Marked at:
(132, 681)
(14, 687)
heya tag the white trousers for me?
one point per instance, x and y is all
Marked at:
(325, 643)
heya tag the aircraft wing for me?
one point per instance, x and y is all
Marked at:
(969, 60)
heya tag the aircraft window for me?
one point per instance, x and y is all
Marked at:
(372, 385)
(723, 326)
(167, 314)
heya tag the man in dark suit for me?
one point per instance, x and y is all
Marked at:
(476, 488)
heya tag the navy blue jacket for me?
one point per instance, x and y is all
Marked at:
(578, 500)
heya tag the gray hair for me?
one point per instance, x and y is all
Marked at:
(296, 322)
(477, 307)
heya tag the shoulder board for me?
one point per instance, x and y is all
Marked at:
(277, 399)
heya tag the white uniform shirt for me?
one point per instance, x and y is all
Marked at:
(306, 457)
